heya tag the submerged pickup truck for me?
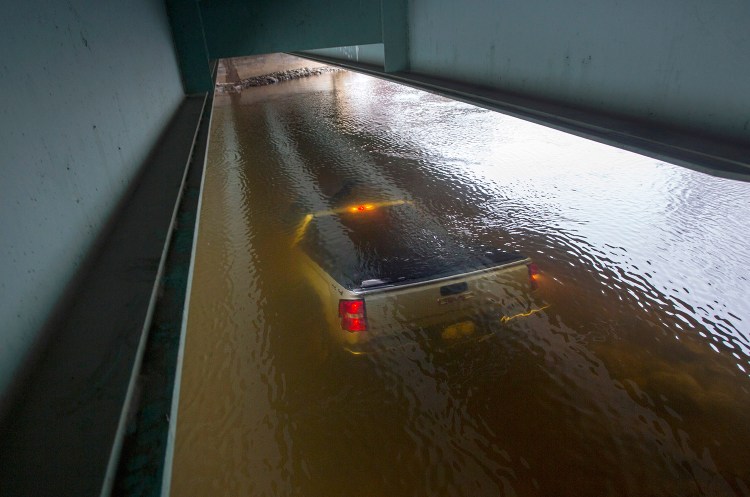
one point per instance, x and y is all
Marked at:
(383, 267)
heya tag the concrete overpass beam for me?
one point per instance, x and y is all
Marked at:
(680, 63)
(190, 45)
(237, 27)
(395, 35)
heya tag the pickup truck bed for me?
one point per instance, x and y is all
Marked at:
(409, 273)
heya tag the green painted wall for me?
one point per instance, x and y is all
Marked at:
(239, 27)
(86, 89)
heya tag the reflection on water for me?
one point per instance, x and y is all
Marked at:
(634, 381)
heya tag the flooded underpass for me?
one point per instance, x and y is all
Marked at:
(630, 376)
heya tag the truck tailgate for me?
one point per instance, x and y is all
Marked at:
(454, 301)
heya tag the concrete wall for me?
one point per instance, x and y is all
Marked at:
(685, 63)
(366, 54)
(85, 91)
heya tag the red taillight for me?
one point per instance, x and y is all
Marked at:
(533, 275)
(533, 270)
(352, 314)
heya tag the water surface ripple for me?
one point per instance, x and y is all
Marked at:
(634, 381)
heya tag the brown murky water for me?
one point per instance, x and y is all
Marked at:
(634, 381)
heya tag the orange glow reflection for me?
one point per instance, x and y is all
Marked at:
(362, 208)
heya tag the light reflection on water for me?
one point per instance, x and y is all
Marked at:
(633, 382)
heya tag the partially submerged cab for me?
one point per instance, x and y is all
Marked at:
(383, 268)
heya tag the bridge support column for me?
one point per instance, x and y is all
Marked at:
(190, 44)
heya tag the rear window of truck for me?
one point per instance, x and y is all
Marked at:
(390, 245)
